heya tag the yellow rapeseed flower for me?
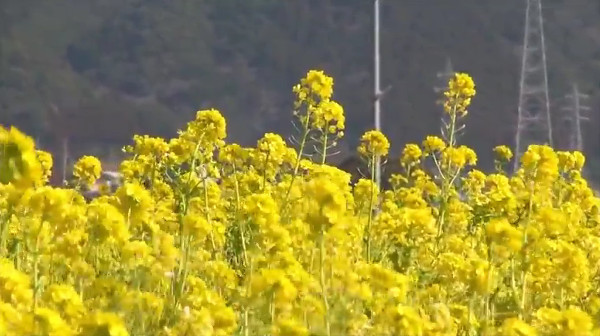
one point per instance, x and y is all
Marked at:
(373, 143)
(503, 153)
(433, 144)
(314, 84)
(411, 155)
(101, 323)
(209, 238)
(328, 116)
(515, 327)
(461, 89)
(87, 170)
(45, 159)
(19, 163)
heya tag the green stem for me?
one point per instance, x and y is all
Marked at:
(3, 233)
(371, 202)
(246, 329)
(207, 213)
(4, 229)
(272, 308)
(488, 297)
(246, 308)
(17, 253)
(446, 182)
(452, 126)
(305, 133)
(322, 278)
(36, 284)
(513, 282)
(324, 157)
(237, 211)
(522, 307)
(264, 182)
(469, 322)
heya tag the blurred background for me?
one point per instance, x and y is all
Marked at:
(83, 76)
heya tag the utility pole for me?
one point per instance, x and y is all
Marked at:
(534, 124)
(377, 92)
(60, 129)
(377, 88)
(575, 118)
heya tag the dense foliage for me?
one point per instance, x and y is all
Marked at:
(210, 238)
(150, 64)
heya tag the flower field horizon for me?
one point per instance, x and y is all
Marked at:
(205, 237)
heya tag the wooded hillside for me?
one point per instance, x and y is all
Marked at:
(112, 68)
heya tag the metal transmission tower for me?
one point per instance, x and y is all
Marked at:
(534, 124)
(575, 118)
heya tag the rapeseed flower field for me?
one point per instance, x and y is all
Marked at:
(210, 238)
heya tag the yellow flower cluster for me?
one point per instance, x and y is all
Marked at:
(373, 143)
(19, 163)
(461, 89)
(318, 113)
(209, 238)
(87, 170)
(503, 153)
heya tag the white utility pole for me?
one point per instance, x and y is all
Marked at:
(377, 89)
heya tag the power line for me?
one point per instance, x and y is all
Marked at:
(534, 124)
